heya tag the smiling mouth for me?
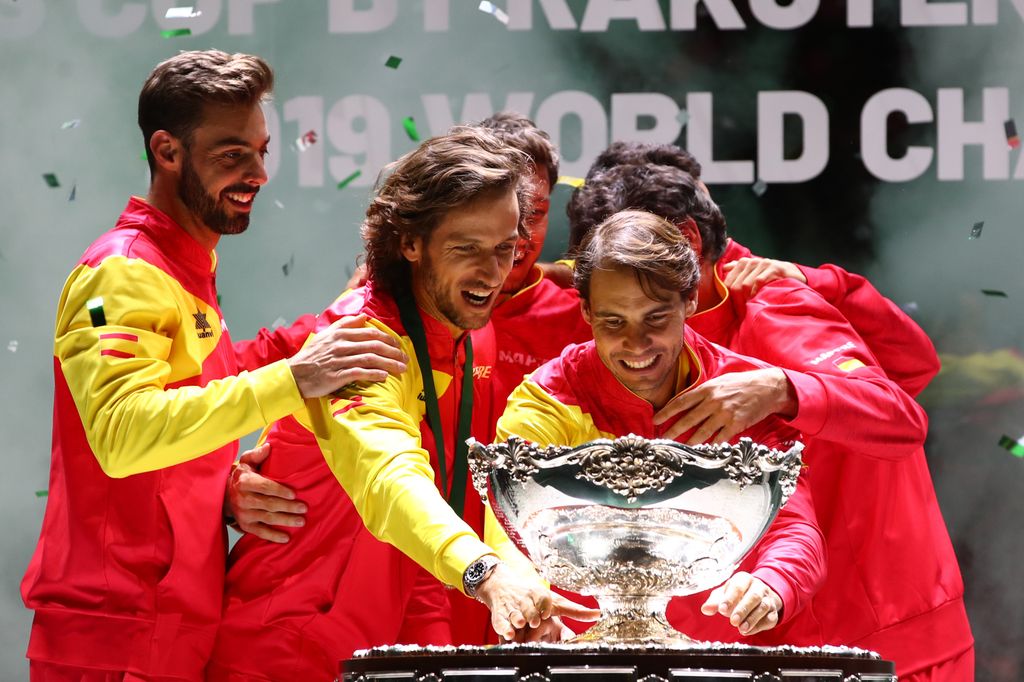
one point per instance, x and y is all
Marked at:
(478, 298)
(240, 200)
(639, 364)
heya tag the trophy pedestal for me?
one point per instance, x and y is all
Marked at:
(700, 662)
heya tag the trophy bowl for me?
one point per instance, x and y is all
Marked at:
(635, 522)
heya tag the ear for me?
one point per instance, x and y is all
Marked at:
(690, 307)
(585, 310)
(688, 228)
(412, 248)
(166, 151)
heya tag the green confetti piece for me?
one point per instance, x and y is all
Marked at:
(175, 32)
(976, 230)
(994, 293)
(144, 156)
(409, 123)
(218, 300)
(42, 493)
(350, 178)
(51, 180)
(96, 314)
(1014, 446)
(393, 62)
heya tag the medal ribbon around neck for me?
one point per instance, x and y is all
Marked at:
(413, 323)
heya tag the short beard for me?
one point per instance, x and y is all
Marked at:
(204, 207)
(444, 304)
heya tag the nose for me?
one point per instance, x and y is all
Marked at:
(635, 338)
(256, 174)
(494, 269)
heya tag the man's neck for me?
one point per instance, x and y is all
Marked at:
(165, 198)
(708, 295)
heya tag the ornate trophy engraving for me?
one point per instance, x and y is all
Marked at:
(634, 521)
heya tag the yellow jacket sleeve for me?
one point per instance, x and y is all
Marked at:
(118, 372)
(371, 440)
(537, 416)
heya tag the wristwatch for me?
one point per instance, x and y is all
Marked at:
(477, 572)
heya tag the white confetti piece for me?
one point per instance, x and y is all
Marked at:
(496, 12)
(278, 323)
(181, 13)
(759, 187)
(12, 346)
(73, 123)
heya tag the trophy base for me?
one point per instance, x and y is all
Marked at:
(633, 620)
(704, 662)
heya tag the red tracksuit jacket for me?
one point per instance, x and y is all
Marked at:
(574, 399)
(129, 569)
(292, 611)
(893, 583)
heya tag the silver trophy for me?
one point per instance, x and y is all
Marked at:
(635, 522)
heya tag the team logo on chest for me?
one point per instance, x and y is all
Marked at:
(203, 328)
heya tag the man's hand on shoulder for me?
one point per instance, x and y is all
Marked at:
(346, 352)
(747, 275)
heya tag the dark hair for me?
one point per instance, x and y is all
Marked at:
(665, 191)
(642, 153)
(652, 247)
(519, 132)
(175, 93)
(443, 173)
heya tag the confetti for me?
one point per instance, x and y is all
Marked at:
(976, 230)
(74, 188)
(569, 180)
(181, 13)
(278, 323)
(12, 346)
(42, 493)
(175, 32)
(306, 141)
(1012, 138)
(218, 300)
(289, 266)
(350, 178)
(683, 117)
(51, 180)
(144, 156)
(73, 123)
(497, 12)
(1014, 446)
(759, 187)
(96, 314)
(995, 293)
(409, 123)
(277, 202)
(909, 308)
(393, 62)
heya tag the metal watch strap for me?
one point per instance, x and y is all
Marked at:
(477, 572)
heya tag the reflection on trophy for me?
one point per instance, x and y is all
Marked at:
(635, 522)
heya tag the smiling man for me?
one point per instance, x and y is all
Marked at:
(637, 278)
(127, 577)
(440, 237)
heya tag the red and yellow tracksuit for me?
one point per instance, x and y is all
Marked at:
(129, 568)
(292, 611)
(575, 399)
(893, 583)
